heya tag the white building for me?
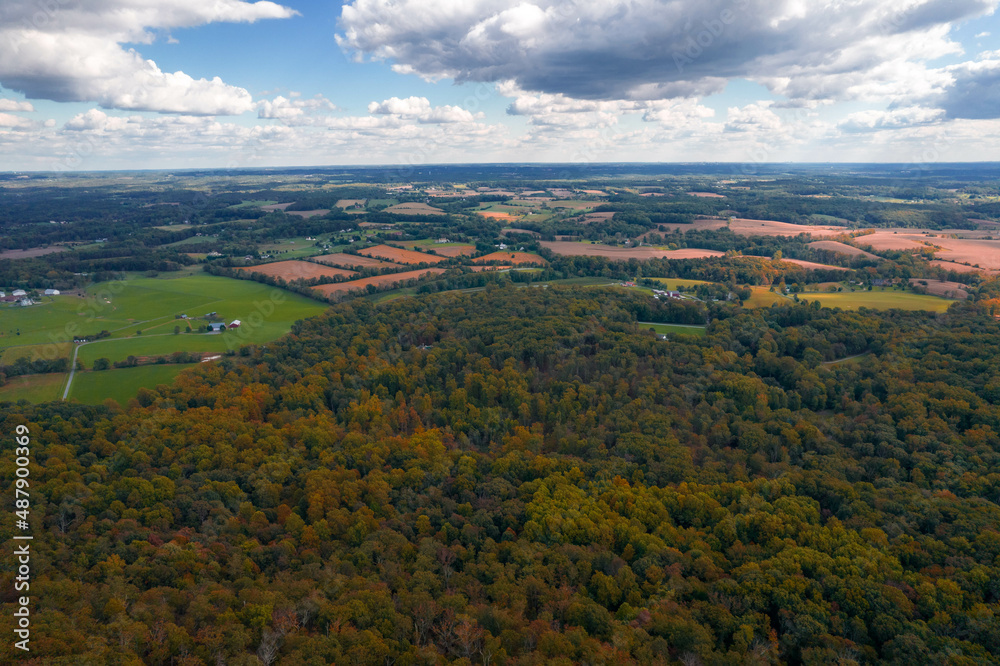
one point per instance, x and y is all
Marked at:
(19, 292)
(51, 292)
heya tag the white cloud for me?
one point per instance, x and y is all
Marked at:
(15, 105)
(752, 117)
(652, 49)
(11, 121)
(71, 51)
(420, 109)
(292, 110)
(869, 121)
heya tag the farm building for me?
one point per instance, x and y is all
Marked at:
(51, 292)
(19, 292)
(217, 327)
(25, 302)
(235, 324)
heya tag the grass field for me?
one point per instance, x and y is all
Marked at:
(664, 329)
(33, 388)
(149, 304)
(879, 300)
(34, 352)
(762, 297)
(673, 284)
(121, 384)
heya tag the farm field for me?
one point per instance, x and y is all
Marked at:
(879, 300)
(399, 255)
(706, 195)
(31, 252)
(297, 270)
(763, 297)
(498, 215)
(121, 384)
(414, 209)
(150, 305)
(273, 206)
(970, 250)
(306, 214)
(442, 249)
(480, 269)
(961, 268)
(516, 258)
(942, 288)
(33, 388)
(573, 204)
(664, 329)
(379, 280)
(809, 264)
(673, 284)
(350, 203)
(49, 352)
(352, 261)
(748, 227)
(842, 248)
(591, 250)
(513, 230)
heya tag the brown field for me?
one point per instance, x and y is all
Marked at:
(453, 250)
(589, 218)
(297, 270)
(842, 248)
(273, 207)
(942, 288)
(411, 208)
(497, 215)
(31, 252)
(971, 249)
(961, 268)
(379, 280)
(399, 255)
(747, 227)
(305, 214)
(706, 195)
(349, 203)
(351, 261)
(588, 250)
(516, 258)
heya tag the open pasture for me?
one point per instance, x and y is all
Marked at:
(879, 300)
(942, 288)
(122, 384)
(33, 388)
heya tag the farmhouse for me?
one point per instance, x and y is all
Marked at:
(217, 327)
(235, 324)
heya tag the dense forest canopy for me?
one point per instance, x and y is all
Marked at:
(526, 476)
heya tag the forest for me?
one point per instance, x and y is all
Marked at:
(527, 476)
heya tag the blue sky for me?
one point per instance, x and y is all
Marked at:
(120, 84)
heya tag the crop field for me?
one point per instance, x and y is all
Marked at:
(480, 269)
(379, 280)
(33, 388)
(192, 240)
(442, 249)
(970, 249)
(516, 258)
(399, 255)
(879, 300)
(306, 214)
(942, 288)
(350, 203)
(763, 297)
(574, 248)
(274, 205)
(706, 195)
(961, 268)
(748, 227)
(121, 384)
(150, 305)
(574, 204)
(297, 270)
(352, 261)
(809, 264)
(842, 248)
(665, 329)
(34, 352)
(673, 284)
(31, 252)
(411, 208)
(498, 215)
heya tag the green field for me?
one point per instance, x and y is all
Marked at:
(193, 240)
(673, 284)
(762, 297)
(664, 329)
(121, 384)
(33, 388)
(33, 352)
(150, 304)
(879, 300)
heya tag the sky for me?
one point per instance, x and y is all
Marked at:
(171, 84)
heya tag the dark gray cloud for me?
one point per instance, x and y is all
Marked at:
(648, 49)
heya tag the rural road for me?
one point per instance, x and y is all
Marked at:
(72, 370)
